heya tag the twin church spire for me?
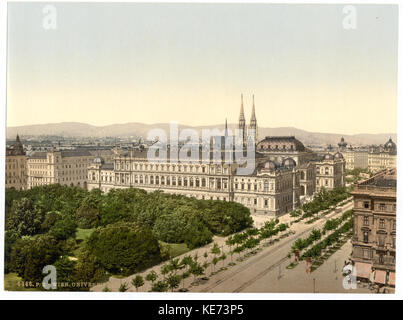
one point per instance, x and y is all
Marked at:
(252, 125)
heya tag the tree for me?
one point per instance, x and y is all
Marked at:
(49, 221)
(138, 282)
(223, 257)
(88, 214)
(173, 281)
(215, 261)
(123, 287)
(89, 268)
(187, 261)
(160, 286)
(10, 237)
(29, 256)
(196, 234)
(216, 249)
(174, 265)
(25, 217)
(169, 228)
(152, 276)
(65, 270)
(124, 247)
(165, 269)
(64, 228)
(196, 269)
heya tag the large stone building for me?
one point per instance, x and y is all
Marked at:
(330, 171)
(374, 238)
(374, 158)
(382, 157)
(284, 170)
(272, 188)
(16, 166)
(66, 167)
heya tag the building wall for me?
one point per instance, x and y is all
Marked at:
(374, 238)
(308, 180)
(330, 174)
(380, 161)
(53, 168)
(272, 192)
(16, 171)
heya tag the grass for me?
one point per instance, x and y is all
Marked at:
(12, 283)
(83, 234)
(174, 249)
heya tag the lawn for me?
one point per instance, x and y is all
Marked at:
(175, 249)
(12, 283)
(83, 234)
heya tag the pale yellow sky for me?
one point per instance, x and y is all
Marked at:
(118, 63)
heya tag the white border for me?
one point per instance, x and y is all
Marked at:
(195, 296)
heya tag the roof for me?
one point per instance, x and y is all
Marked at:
(383, 184)
(107, 166)
(75, 153)
(280, 143)
(38, 155)
(64, 154)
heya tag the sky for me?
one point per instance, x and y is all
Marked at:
(152, 63)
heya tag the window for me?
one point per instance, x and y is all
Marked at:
(366, 204)
(381, 240)
(365, 236)
(381, 223)
(382, 207)
(366, 221)
(266, 202)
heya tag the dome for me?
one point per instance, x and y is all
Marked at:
(289, 162)
(338, 155)
(390, 144)
(270, 165)
(98, 160)
(328, 156)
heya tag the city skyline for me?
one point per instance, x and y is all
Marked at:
(148, 66)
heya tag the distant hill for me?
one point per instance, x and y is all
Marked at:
(134, 129)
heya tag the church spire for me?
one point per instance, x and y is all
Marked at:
(242, 124)
(253, 121)
(241, 114)
(253, 117)
(226, 128)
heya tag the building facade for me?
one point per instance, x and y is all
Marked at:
(66, 167)
(271, 189)
(382, 157)
(330, 171)
(16, 166)
(374, 238)
(307, 178)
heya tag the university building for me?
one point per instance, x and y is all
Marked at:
(16, 166)
(374, 238)
(284, 170)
